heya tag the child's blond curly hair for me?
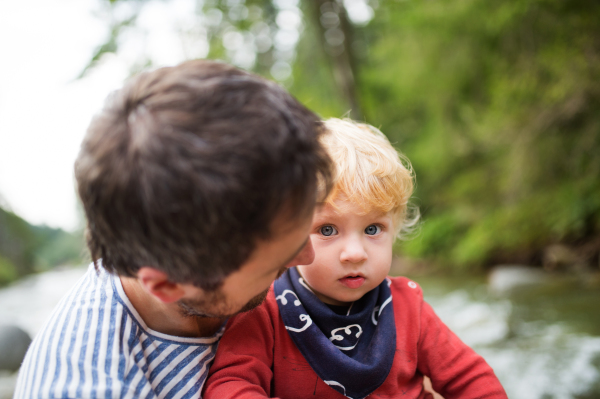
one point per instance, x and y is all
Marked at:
(369, 172)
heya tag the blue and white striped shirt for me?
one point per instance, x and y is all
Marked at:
(96, 345)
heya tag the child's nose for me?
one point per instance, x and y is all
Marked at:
(353, 251)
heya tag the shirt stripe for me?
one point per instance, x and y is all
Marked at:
(95, 345)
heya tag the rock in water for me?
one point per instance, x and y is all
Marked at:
(504, 278)
(13, 346)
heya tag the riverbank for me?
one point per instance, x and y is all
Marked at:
(27, 303)
(542, 338)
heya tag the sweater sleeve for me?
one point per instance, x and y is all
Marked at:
(243, 363)
(456, 371)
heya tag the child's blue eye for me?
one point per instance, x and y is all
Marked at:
(328, 230)
(372, 230)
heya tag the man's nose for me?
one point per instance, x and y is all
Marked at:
(353, 251)
(306, 256)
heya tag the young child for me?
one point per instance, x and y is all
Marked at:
(340, 327)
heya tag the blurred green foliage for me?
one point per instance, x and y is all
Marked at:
(25, 248)
(497, 105)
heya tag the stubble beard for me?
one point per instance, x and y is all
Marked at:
(260, 298)
(215, 304)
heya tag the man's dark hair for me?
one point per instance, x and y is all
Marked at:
(187, 167)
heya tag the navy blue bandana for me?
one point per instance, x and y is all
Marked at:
(353, 353)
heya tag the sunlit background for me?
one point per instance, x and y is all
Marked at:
(496, 104)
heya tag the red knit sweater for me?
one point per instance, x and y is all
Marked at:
(257, 358)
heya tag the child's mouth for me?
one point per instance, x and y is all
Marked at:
(352, 281)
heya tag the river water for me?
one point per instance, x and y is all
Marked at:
(542, 340)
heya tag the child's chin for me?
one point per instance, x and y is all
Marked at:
(348, 299)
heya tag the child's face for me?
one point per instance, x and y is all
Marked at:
(353, 253)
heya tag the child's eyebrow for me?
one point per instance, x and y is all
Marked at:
(325, 218)
(326, 213)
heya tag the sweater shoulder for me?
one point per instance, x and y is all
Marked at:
(406, 290)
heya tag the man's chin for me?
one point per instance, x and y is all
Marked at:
(207, 308)
(255, 302)
(260, 298)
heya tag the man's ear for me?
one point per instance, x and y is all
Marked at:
(158, 284)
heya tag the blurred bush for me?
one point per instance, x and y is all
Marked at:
(25, 248)
(497, 104)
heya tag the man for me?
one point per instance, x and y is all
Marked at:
(198, 183)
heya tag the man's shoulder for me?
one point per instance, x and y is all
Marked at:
(94, 345)
(67, 350)
(92, 293)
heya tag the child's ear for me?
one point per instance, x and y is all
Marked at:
(157, 283)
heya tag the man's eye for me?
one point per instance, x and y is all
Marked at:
(328, 231)
(372, 230)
